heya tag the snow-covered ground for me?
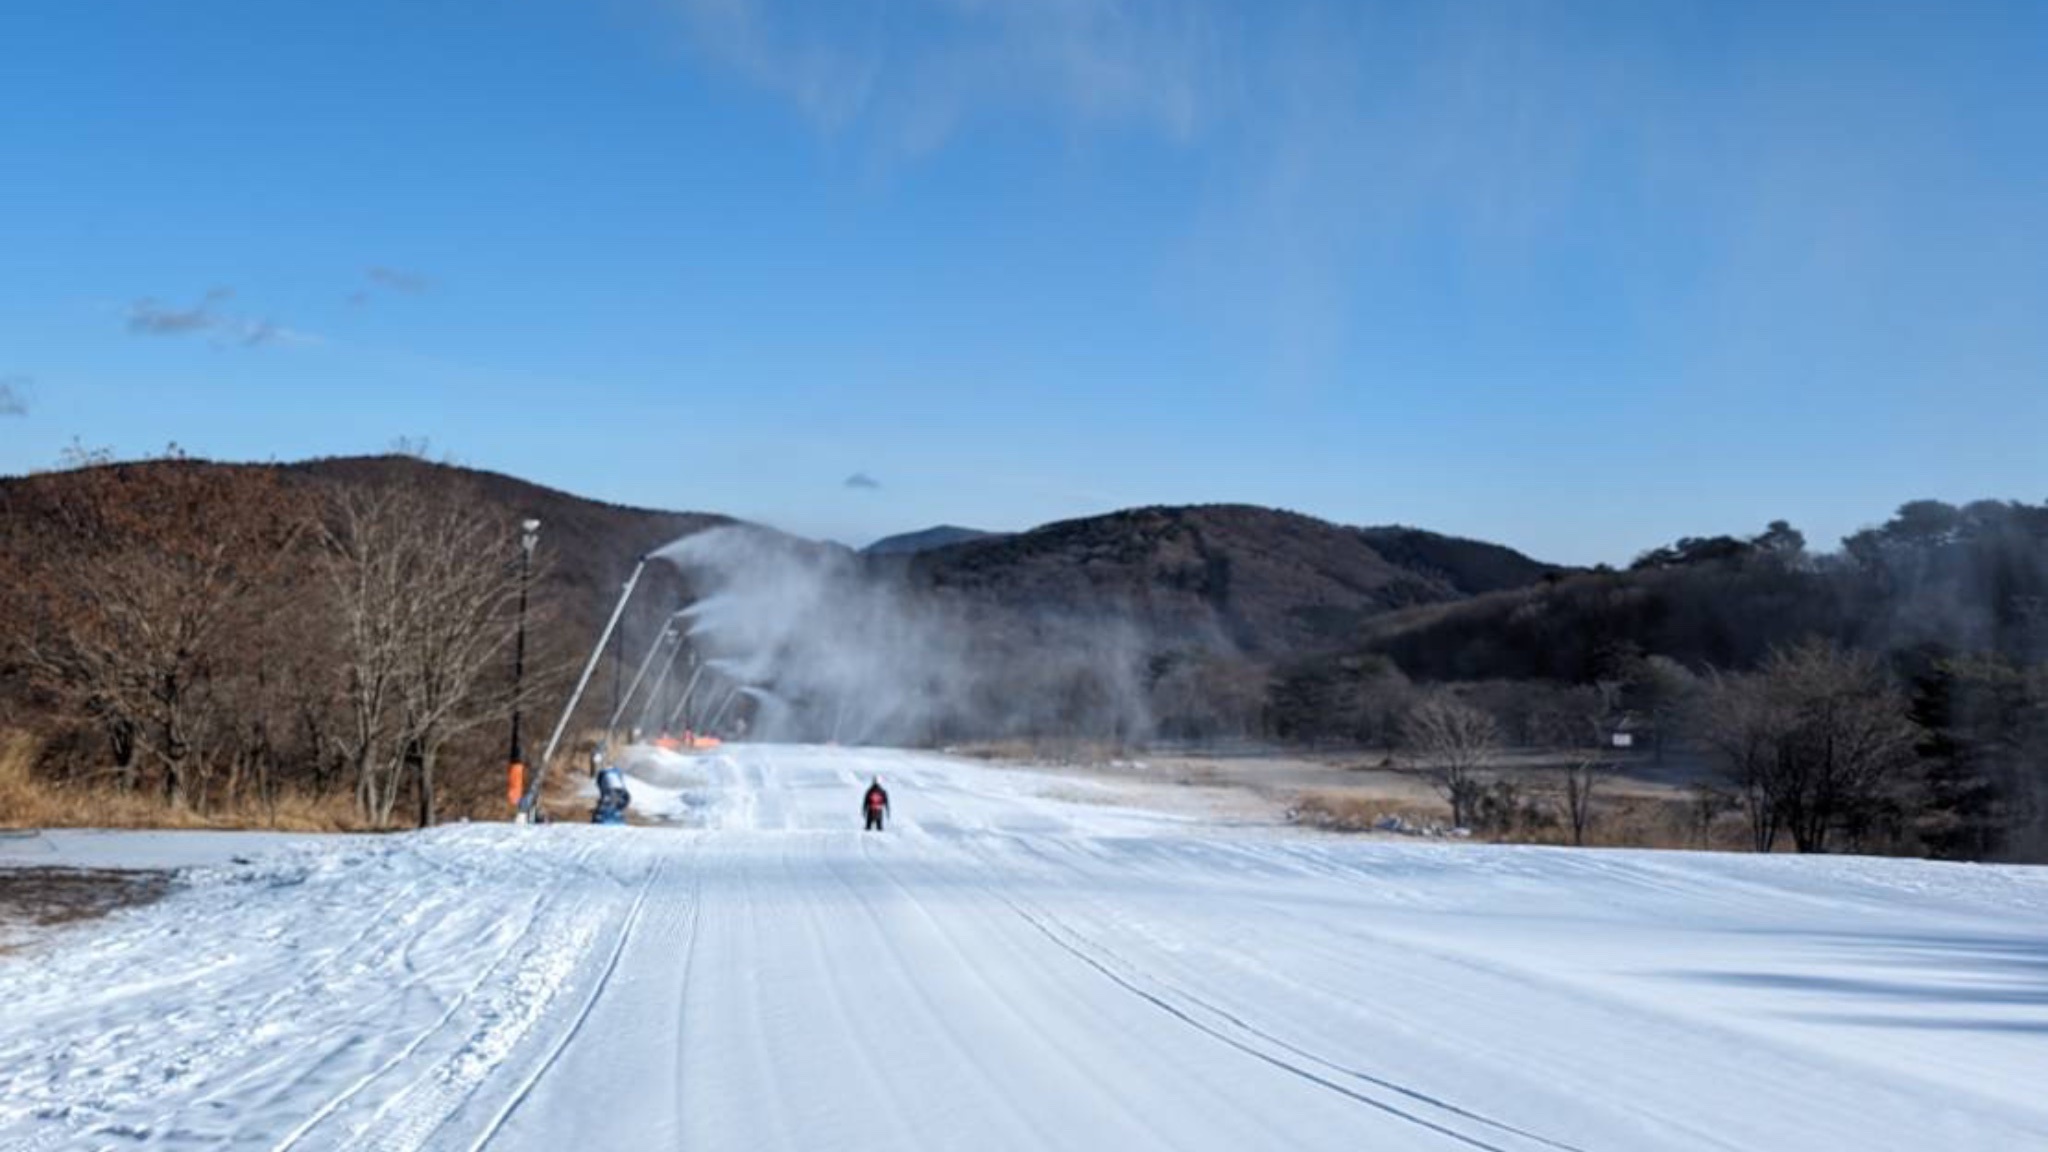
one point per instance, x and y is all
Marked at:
(1005, 969)
(101, 848)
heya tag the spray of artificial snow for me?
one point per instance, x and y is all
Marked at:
(819, 646)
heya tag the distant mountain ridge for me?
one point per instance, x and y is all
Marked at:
(1260, 580)
(1473, 567)
(207, 634)
(1269, 583)
(940, 536)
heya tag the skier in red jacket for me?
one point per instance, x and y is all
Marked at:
(875, 804)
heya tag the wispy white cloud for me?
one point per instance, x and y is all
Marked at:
(1738, 209)
(212, 318)
(1327, 131)
(913, 76)
(1371, 126)
(398, 279)
(379, 279)
(150, 317)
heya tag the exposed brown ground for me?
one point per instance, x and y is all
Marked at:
(1639, 803)
(33, 898)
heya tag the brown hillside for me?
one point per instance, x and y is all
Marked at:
(206, 577)
(591, 545)
(1265, 581)
(587, 546)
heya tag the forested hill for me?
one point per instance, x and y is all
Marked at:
(1935, 578)
(226, 634)
(590, 545)
(1253, 580)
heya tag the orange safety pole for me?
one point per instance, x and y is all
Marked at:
(515, 783)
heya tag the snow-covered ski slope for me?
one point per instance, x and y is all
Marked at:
(1002, 969)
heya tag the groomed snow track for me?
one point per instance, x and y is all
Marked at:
(1005, 969)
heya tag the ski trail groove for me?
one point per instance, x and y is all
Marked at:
(1024, 1021)
(844, 996)
(1702, 1134)
(394, 937)
(1705, 1135)
(1181, 992)
(455, 1005)
(1046, 922)
(575, 1027)
(683, 979)
(918, 993)
(1218, 1034)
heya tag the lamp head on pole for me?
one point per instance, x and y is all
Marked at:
(529, 535)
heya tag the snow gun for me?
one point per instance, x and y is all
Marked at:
(612, 797)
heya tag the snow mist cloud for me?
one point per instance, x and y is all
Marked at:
(837, 647)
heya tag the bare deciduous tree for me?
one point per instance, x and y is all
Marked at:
(1577, 723)
(1582, 778)
(1704, 804)
(426, 590)
(128, 629)
(1848, 743)
(1452, 743)
(464, 628)
(1814, 741)
(1737, 717)
(369, 539)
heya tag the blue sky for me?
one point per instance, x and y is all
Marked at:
(1578, 277)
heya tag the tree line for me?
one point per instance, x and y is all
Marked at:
(219, 638)
(1893, 695)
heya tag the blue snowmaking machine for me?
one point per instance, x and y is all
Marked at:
(612, 797)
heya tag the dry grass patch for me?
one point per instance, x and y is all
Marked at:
(1339, 811)
(1620, 821)
(1661, 822)
(29, 802)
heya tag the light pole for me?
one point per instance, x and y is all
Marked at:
(515, 774)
